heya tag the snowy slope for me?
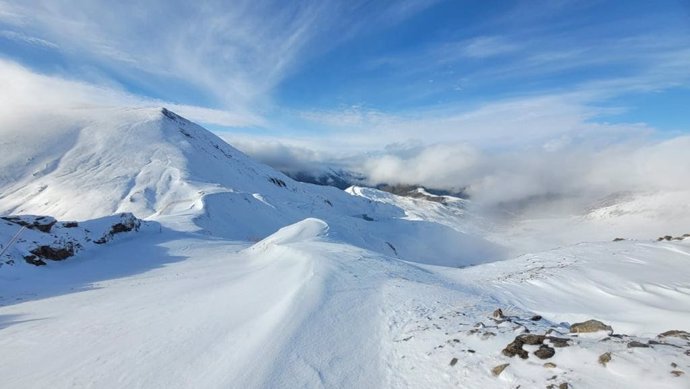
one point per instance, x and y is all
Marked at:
(298, 309)
(638, 287)
(246, 278)
(86, 164)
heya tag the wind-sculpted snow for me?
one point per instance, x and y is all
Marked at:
(159, 166)
(307, 229)
(241, 277)
(640, 287)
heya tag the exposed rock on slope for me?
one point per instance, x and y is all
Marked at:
(26, 237)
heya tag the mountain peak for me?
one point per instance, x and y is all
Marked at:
(173, 116)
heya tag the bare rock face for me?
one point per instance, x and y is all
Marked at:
(590, 326)
(39, 223)
(54, 253)
(128, 222)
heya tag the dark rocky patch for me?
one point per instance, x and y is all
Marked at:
(392, 248)
(278, 182)
(531, 339)
(515, 348)
(128, 223)
(54, 253)
(33, 260)
(39, 223)
(545, 352)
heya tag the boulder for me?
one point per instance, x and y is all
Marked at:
(558, 342)
(590, 326)
(545, 352)
(604, 358)
(515, 348)
(675, 334)
(497, 370)
(531, 339)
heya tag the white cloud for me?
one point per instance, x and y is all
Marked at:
(22, 91)
(577, 173)
(291, 157)
(235, 53)
(502, 123)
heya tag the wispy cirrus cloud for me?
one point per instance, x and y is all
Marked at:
(230, 54)
(21, 86)
(20, 37)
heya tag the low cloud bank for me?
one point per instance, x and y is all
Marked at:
(491, 177)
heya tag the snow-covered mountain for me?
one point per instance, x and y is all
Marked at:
(192, 265)
(159, 166)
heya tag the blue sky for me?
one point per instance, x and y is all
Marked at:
(374, 74)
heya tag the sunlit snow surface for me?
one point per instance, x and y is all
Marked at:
(245, 278)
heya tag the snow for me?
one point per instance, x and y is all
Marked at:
(239, 276)
(638, 287)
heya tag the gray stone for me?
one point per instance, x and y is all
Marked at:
(636, 344)
(604, 359)
(532, 339)
(515, 348)
(675, 334)
(558, 342)
(590, 326)
(545, 352)
(497, 370)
